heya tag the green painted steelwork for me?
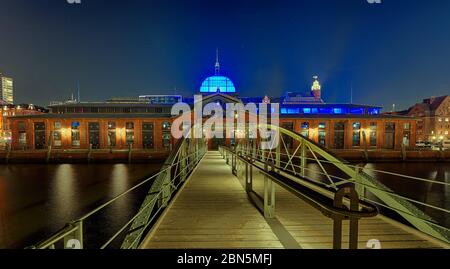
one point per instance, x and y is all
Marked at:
(363, 181)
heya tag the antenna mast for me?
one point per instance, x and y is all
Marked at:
(217, 66)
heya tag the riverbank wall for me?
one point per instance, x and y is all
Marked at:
(83, 156)
(148, 156)
(393, 156)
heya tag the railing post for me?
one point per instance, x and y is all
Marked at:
(254, 153)
(303, 158)
(233, 164)
(337, 232)
(269, 196)
(249, 175)
(278, 150)
(182, 159)
(75, 239)
(337, 219)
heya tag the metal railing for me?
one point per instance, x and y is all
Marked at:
(343, 205)
(181, 162)
(307, 160)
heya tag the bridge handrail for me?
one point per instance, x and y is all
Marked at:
(374, 202)
(363, 181)
(367, 210)
(436, 181)
(371, 187)
(190, 158)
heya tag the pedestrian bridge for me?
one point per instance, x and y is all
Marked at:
(295, 196)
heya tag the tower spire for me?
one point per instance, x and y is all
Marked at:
(217, 66)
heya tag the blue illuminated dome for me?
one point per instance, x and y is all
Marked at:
(218, 84)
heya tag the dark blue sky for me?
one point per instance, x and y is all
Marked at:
(395, 52)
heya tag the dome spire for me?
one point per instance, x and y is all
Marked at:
(217, 66)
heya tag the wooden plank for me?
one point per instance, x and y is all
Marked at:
(213, 211)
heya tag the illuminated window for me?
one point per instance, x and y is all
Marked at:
(147, 135)
(373, 134)
(356, 139)
(75, 134)
(166, 135)
(22, 134)
(288, 141)
(339, 135)
(111, 134)
(94, 134)
(389, 135)
(305, 129)
(322, 134)
(57, 136)
(218, 84)
(337, 110)
(39, 135)
(129, 133)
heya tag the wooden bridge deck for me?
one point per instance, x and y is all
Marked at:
(214, 211)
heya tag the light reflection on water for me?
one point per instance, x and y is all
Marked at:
(37, 200)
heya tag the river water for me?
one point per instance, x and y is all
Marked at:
(37, 200)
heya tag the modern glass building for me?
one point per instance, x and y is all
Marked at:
(6, 89)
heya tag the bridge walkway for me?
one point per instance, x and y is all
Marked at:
(213, 211)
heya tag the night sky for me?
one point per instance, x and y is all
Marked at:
(394, 52)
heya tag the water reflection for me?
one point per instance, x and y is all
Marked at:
(36, 200)
(426, 192)
(63, 194)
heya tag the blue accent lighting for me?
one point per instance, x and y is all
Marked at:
(359, 111)
(217, 84)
